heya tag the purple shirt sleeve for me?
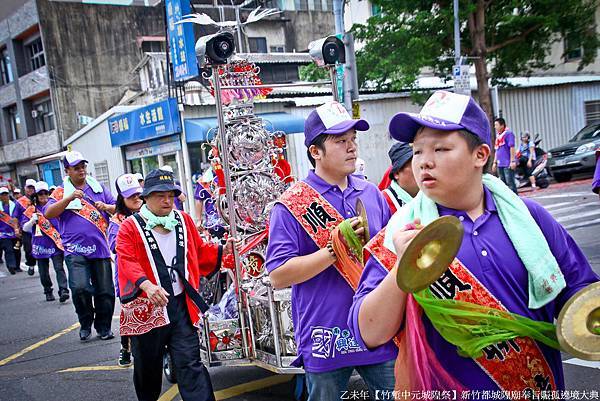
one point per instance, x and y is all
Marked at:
(573, 263)
(372, 275)
(109, 199)
(113, 230)
(19, 214)
(510, 139)
(596, 181)
(284, 238)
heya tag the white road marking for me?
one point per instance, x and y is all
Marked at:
(575, 207)
(578, 216)
(582, 224)
(563, 195)
(581, 362)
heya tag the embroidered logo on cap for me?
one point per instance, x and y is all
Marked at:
(446, 106)
(332, 113)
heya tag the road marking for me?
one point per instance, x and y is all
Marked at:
(587, 364)
(95, 368)
(568, 195)
(578, 216)
(574, 207)
(555, 205)
(583, 224)
(234, 390)
(38, 344)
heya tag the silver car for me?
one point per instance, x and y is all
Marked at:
(577, 156)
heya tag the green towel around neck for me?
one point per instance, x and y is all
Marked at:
(69, 188)
(402, 194)
(546, 280)
(169, 222)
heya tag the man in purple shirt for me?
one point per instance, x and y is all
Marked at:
(451, 151)
(321, 298)
(82, 206)
(11, 216)
(505, 159)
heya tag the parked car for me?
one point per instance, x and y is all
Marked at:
(577, 156)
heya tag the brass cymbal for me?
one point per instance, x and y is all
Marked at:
(429, 254)
(362, 213)
(578, 327)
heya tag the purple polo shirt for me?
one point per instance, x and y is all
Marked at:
(6, 231)
(503, 152)
(501, 271)
(320, 305)
(42, 246)
(596, 181)
(79, 236)
(113, 230)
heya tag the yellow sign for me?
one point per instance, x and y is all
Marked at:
(355, 110)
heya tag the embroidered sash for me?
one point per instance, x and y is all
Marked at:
(88, 211)
(24, 201)
(8, 219)
(318, 218)
(514, 365)
(47, 228)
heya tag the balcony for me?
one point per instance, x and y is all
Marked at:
(34, 146)
(35, 82)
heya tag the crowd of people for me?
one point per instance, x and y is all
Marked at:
(515, 259)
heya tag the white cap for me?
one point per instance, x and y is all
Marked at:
(17, 191)
(30, 182)
(128, 185)
(73, 158)
(166, 167)
(139, 176)
(52, 187)
(4, 190)
(41, 186)
(208, 176)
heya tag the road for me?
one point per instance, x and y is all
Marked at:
(41, 357)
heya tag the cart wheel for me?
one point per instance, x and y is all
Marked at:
(300, 390)
(168, 368)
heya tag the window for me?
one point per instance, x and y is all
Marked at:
(573, 50)
(34, 51)
(301, 5)
(257, 45)
(277, 49)
(43, 116)
(6, 75)
(153, 46)
(101, 173)
(592, 112)
(13, 123)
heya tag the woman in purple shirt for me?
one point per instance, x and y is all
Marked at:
(451, 145)
(44, 248)
(596, 181)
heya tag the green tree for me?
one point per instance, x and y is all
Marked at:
(504, 38)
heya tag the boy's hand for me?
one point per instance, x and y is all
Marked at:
(402, 238)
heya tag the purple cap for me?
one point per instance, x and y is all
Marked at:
(445, 111)
(73, 158)
(128, 185)
(330, 118)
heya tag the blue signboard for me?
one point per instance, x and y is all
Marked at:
(181, 41)
(153, 121)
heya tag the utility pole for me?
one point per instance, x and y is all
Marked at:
(350, 75)
(457, 58)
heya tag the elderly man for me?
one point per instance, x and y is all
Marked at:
(403, 187)
(160, 260)
(82, 206)
(10, 215)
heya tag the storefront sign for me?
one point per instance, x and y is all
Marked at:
(153, 121)
(160, 146)
(181, 41)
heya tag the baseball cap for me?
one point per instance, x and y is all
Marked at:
(30, 182)
(168, 168)
(139, 177)
(4, 190)
(41, 186)
(17, 191)
(330, 118)
(399, 154)
(160, 181)
(128, 185)
(445, 111)
(73, 158)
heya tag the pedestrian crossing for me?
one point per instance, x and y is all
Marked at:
(578, 209)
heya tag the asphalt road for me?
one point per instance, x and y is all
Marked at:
(41, 357)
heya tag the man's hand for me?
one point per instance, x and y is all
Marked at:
(229, 244)
(529, 163)
(358, 228)
(34, 218)
(77, 194)
(403, 237)
(157, 295)
(513, 165)
(103, 207)
(494, 166)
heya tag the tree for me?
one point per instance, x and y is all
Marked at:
(505, 38)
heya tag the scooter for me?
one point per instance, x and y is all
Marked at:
(539, 168)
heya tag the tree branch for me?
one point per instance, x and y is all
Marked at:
(514, 39)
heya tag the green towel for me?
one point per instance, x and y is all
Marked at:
(546, 280)
(402, 194)
(169, 222)
(69, 188)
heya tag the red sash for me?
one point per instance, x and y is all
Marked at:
(88, 211)
(319, 218)
(6, 218)
(140, 316)
(47, 228)
(514, 365)
(24, 201)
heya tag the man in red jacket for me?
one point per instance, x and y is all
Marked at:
(160, 260)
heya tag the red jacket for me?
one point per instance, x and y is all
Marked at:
(134, 267)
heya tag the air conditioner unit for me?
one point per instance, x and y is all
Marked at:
(35, 113)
